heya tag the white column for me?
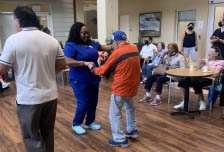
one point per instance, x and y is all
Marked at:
(107, 19)
(79, 11)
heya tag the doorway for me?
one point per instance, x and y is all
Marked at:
(216, 12)
(6, 27)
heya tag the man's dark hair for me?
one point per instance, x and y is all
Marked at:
(74, 34)
(26, 17)
(149, 37)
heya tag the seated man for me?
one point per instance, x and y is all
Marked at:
(213, 64)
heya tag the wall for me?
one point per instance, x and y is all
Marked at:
(63, 18)
(60, 12)
(168, 22)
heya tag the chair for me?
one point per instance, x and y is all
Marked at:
(65, 71)
(221, 80)
(187, 63)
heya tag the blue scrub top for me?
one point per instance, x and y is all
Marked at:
(81, 53)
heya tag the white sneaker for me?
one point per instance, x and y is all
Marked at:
(179, 106)
(5, 85)
(202, 105)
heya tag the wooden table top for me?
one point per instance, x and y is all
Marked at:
(188, 73)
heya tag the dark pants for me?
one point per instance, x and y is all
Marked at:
(37, 125)
(222, 96)
(87, 98)
(159, 79)
(197, 83)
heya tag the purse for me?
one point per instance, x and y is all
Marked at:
(161, 68)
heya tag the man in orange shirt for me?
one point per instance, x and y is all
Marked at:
(125, 62)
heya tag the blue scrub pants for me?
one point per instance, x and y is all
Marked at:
(87, 98)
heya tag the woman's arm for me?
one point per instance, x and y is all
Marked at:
(196, 41)
(105, 48)
(217, 71)
(182, 43)
(75, 63)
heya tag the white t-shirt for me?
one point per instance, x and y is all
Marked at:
(33, 55)
(147, 50)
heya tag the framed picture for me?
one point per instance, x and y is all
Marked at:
(150, 24)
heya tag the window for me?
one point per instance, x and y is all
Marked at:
(184, 17)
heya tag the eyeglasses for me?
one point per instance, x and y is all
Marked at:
(84, 33)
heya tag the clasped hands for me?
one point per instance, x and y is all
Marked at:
(89, 64)
(215, 38)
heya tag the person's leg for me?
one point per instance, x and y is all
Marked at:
(47, 123)
(192, 54)
(181, 85)
(149, 70)
(186, 52)
(130, 118)
(159, 86)
(222, 102)
(150, 80)
(144, 67)
(29, 118)
(91, 113)
(148, 86)
(198, 84)
(83, 97)
(116, 119)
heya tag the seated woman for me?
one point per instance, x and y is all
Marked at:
(147, 68)
(213, 64)
(173, 59)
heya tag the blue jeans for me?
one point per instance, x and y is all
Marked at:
(190, 52)
(147, 70)
(87, 98)
(115, 116)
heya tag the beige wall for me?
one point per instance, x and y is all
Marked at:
(168, 23)
(10, 6)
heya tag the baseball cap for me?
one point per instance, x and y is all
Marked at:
(117, 36)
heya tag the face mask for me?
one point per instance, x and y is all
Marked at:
(190, 28)
(220, 24)
(172, 53)
(146, 42)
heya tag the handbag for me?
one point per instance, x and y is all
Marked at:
(161, 68)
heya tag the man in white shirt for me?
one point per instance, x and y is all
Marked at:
(35, 57)
(148, 48)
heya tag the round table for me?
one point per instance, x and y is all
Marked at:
(187, 74)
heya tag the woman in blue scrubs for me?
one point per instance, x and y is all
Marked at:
(79, 52)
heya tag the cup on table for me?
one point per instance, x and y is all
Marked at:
(205, 69)
(191, 67)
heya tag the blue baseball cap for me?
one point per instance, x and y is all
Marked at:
(117, 36)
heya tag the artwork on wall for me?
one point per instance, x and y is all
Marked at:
(150, 24)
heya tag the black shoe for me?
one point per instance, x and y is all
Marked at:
(132, 134)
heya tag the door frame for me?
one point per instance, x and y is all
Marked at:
(211, 18)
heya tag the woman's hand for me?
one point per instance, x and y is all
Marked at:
(87, 63)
